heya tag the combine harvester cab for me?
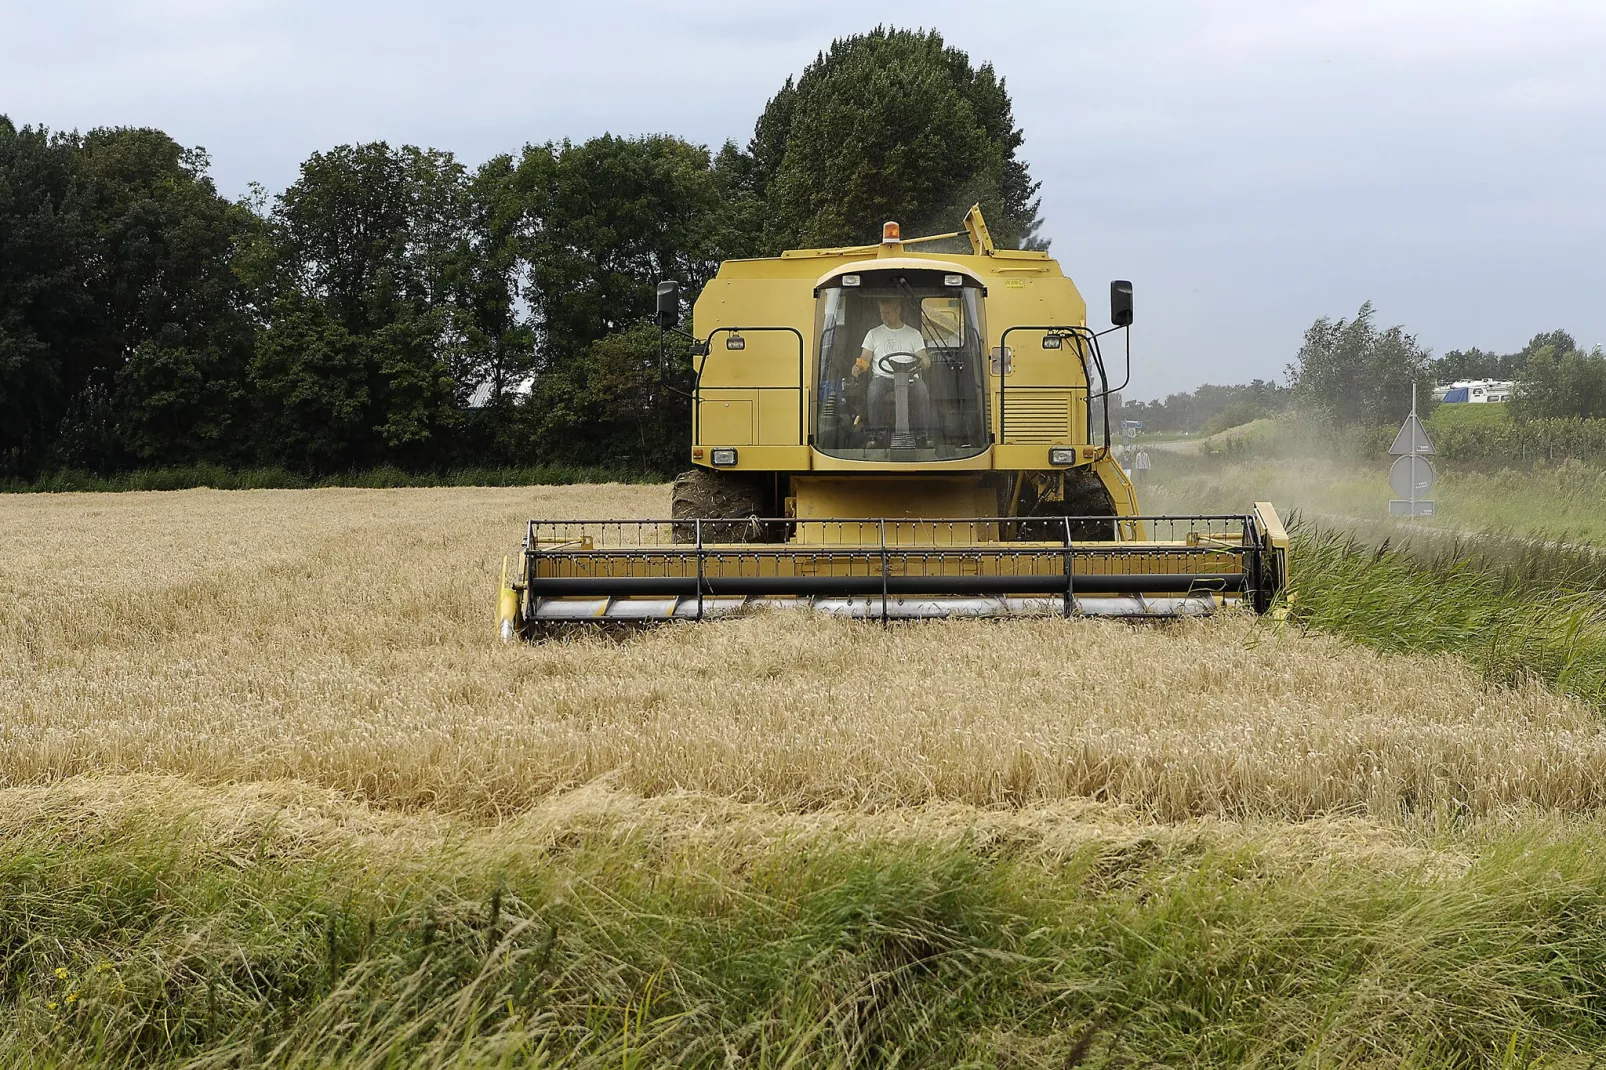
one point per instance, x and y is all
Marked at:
(890, 436)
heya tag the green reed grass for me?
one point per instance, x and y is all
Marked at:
(1516, 609)
(137, 943)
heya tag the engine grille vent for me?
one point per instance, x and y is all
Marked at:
(1037, 416)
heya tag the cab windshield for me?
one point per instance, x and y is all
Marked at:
(901, 375)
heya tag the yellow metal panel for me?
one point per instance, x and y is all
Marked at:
(726, 422)
(1272, 525)
(767, 358)
(863, 557)
(894, 498)
(1018, 458)
(908, 263)
(778, 418)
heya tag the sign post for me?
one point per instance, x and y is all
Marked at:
(1412, 474)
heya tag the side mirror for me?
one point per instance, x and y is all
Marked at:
(668, 314)
(1121, 303)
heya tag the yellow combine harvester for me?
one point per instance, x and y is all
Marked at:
(884, 434)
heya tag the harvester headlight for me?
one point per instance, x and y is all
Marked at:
(723, 457)
(1062, 455)
(735, 341)
(850, 280)
(1052, 341)
(953, 280)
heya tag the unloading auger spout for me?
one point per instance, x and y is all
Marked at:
(891, 436)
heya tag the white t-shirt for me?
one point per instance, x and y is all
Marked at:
(883, 340)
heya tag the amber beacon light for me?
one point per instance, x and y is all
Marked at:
(890, 232)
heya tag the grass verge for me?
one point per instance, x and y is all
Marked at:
(131, 937)
(218, 477)
(1516, 609)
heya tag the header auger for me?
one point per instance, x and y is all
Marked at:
(891, 436)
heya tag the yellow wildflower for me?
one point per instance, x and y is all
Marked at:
(52, 1005)
(61, 972)
(72, 997)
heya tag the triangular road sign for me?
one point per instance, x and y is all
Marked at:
(1413, 438)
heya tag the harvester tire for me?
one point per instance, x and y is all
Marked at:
(734, 501)
(1085, 496)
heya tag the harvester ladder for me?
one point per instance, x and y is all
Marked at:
(1070, 572)
(701, 556)
(882, 523)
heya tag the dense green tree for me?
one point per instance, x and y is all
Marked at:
(367, 339)
(311, 382)
(497, 347)
(179, 335)
(604, 222)
(46, 306)
(369, 229)
(122, 329)
(1462, 364)
(1556, 383)
(612, 404)
(891, 124)
(178, 402)
(1557, 341)
(1474, 363)
(1358, 374)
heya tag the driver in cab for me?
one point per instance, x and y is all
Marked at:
(886, 346)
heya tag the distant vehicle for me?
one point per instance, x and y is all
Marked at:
(1474, 391)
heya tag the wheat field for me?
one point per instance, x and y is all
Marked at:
(344, 639)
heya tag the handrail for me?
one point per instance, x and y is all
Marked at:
(884, 591)
(1078, 331)
(702, 558)
(1070, 571)
(802, 390)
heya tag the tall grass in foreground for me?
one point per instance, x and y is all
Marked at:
(132, 938)
(1516, 609)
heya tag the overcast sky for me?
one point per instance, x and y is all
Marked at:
(1249, 165)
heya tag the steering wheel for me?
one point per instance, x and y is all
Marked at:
(891, 363)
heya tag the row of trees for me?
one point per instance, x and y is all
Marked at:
(1554, 378)
(396, 306)
(1352, 372)
(1356, 373)
(1555, 383)
(1475, 363)
(1209, 408)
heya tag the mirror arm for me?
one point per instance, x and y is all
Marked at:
(698, 349)
(1128, 378)
(1108, 390)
